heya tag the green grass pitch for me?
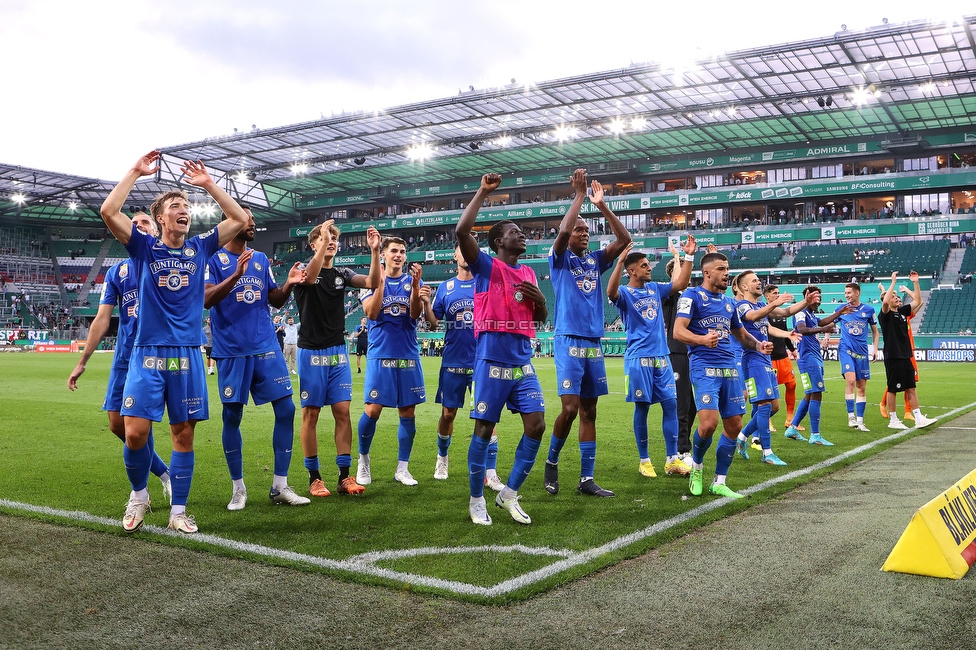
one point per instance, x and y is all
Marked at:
(56, 452)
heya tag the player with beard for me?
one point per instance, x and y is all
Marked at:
(239, 291)
(706, 321)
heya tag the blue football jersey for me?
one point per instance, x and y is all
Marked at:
(809, 347)
(121, 289)
(576, 281)
(454, 304)
(759, 328)
(393, 335)
(170, 287)
(854, 328)
(241, 322)
(643, 317)
(707, 311)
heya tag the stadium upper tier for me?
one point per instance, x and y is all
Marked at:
(851, 100)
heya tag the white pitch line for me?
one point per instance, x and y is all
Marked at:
(365, 563)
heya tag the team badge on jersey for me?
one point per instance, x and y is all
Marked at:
(174, 281)
(304, 394)
(373, 394)
(123, 271)
(248, 295)
(257, 266)
(481, 407)
(450, 285)
(129, 401)
(189, 252)
(339, 282)
(224, 259)
(567, 383)
(519, 297)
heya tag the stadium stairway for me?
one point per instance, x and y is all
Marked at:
(62, 290)
(953, 264)
(97, 266)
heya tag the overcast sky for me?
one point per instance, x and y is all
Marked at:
(90, 85)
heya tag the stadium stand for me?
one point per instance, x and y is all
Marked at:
(950, 311)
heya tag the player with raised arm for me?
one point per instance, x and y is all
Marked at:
(852, 353)
(454, 305)
(394, 376)
(678, 356)
(782, 358)
(647, 366)
(325, 376)
(762, 389)
(239, 291)
(898, 355)
(166, 368)
(120, 289)
(581, 374)
(507, 306)
(811, 364)
(705, 322)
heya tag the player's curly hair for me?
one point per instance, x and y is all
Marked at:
(496, 233)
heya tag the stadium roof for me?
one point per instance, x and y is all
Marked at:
(896, 81)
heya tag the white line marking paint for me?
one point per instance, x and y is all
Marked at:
(366, 563)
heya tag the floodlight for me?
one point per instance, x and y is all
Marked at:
(18, 198)
(638, 123)
(616, 126)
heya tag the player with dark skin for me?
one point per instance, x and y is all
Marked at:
(511, 245)
(574, 235)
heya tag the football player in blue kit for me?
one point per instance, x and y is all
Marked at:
(852, 353)
(394, 376)
(762, 388)
(706, 319)
(239, 291)
(811, 364)
(507, 305)
(120, 289)
(166, 367)
(325, 373)
(647, 366)
(578, 322)
(454, 304)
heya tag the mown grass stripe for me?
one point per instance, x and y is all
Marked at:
(365, 563)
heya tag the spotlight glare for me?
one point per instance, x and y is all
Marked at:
(72, 206)
(638, 123)
(860, 96)
(421, 151)
(563, 132)
(299, 168)
(616, 126)
(503, 141)
(18, 198)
